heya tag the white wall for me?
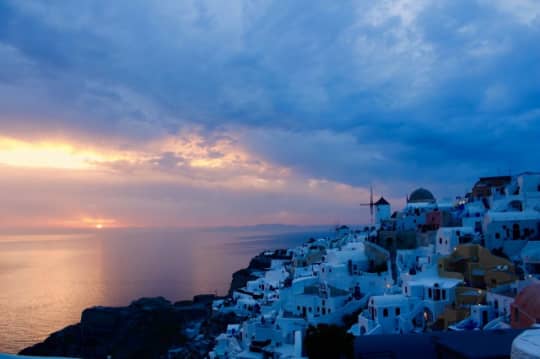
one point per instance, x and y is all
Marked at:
(448, 238)
(499, 303)
(382, 212)
(500, 233)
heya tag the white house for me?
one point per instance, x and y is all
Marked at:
(448, 238)
(510, 230)
(473, 215)
(530, 256)
(391, 314)
(529, 188)
(479, 317)
(500, 298)
(436, 292)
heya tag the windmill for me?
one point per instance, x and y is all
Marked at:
(370, 204)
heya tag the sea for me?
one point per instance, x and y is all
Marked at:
(47, 279)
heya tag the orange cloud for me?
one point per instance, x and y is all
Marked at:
(174, 181)
(47, 154)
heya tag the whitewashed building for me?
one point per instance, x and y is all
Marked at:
(510, 231)
(448, 238)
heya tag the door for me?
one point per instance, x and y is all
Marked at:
(516, 231)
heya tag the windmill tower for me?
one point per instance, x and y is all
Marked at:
(370, 204)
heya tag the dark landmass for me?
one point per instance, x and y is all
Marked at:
(150, 327)
(147, 328)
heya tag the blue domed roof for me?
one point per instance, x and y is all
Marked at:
(421, 195)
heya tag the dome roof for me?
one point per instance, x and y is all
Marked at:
(528, 301)
(421, 195)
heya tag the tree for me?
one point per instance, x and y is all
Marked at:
(328, 342)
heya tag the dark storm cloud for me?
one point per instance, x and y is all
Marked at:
(396, 92)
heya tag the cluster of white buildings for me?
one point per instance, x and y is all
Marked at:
(431, 266)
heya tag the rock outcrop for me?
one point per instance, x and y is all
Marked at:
(146, 328)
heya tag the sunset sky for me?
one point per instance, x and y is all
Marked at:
(205, 113)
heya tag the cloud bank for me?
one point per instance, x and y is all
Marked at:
(216, 112)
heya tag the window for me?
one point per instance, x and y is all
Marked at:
(437, 294)
(497, 235)
(516, 231)
(398, 311)
(310, 309)
(385, 312)
(406, 290)
(440, 240)
(443, 294)
(430, 294)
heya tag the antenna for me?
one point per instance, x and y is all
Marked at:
(370, 204)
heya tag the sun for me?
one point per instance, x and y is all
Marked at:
(99, 226)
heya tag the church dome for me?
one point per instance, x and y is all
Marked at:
(421, 195)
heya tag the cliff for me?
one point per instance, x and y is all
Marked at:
(145, 329)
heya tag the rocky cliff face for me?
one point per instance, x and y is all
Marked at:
(146, 328)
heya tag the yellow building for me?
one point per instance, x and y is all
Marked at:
(478, 266)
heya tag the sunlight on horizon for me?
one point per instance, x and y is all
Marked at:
(46, 155)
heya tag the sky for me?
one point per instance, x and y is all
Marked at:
(186, 113)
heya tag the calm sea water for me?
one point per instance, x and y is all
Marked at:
(47, 280)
